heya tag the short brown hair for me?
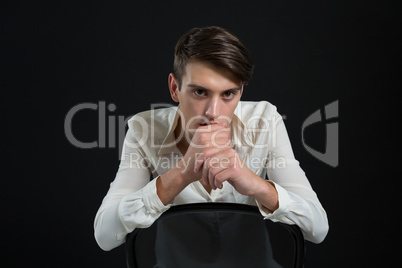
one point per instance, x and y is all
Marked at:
(215, 45)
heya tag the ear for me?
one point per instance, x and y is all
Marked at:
(173, 87)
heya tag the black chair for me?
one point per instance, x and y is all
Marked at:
(215, 235)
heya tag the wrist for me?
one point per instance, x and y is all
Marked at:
(260, 188)
(170, 184)
(177, 173)
(266, 195)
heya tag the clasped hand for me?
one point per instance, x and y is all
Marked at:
(214, 161)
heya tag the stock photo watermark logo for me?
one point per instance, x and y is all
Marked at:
(331, 154)
(106, 126)
(109, 135)
(112, 129)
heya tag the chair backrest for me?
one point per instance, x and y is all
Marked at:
(215, 235)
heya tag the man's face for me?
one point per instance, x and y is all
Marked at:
(208, 95)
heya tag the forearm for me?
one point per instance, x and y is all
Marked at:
(109, 231)
(170, 184)
(125, 209)
(266, 194)
(308, 214)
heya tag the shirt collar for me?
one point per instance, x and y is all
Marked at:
(241, 136)
(169, 143)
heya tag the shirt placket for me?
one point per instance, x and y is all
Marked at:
(201, 190)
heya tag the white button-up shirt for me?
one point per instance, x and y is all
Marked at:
(259, 137)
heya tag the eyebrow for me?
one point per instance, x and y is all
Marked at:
(206, 89)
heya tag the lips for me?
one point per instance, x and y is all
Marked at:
(209, 123)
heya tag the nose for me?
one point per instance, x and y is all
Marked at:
(213, 109)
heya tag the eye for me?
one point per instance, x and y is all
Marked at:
(199, 92)
(228, 94)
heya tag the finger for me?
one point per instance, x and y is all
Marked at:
(216, 142)
(221, 138)
(210, 128)
(222, 176)
(210, 136)
(211, 179)
(205, 173)
(215, 165)
(225, 153)
(211, 152)
(199, 161)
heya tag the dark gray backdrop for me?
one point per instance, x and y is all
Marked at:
(59, 54)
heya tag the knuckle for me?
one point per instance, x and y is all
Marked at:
(212, 172)
(218, 178)
(230, 151)
(202, 137)
(208, 152)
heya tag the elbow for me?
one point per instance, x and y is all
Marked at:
(100, 236)
(104, 242)
(107, 236)
(319, 233)
(106, 239)
(319, 226)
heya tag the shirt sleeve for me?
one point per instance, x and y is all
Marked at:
(298, 202)
(131, 200)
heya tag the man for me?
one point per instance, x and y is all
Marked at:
(211, 148)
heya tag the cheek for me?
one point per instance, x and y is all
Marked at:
(195, 107)
(191, 110)
(229, 109)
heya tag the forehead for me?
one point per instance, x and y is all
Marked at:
(208, 75)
